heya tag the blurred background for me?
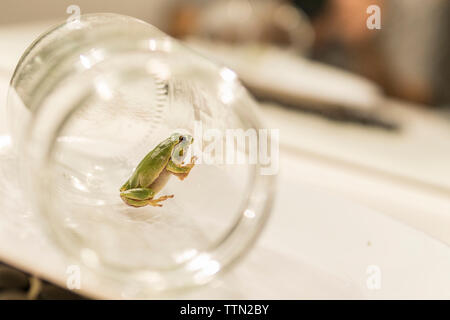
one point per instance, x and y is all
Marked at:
(360, 90)
(407, 56)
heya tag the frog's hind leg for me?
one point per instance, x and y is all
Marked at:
(135, 203)
(140, 197)
(155, 202)
(137, 197)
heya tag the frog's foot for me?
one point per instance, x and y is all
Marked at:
(182, 171)
(181, 176)
(156, 202)
(192, 162)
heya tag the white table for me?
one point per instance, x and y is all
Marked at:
(348, 198)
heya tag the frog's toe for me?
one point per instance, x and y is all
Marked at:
(156, 202)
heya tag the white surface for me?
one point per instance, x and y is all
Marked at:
(327, 227)
(292, 78)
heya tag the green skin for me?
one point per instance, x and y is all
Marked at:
(153, 172)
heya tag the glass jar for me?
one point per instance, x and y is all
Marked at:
(88, 100)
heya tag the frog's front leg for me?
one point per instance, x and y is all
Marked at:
(179, 170)
(140, 197)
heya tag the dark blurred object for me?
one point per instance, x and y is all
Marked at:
(245, 21)
(416, 44)
(408, 56)
(345, 115)
(265, 42)
(18, 285)
(343, 39)
(311, 8)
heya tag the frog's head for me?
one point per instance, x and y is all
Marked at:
(183, 141)
(186, 139)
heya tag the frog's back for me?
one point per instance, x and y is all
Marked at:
(151, 166)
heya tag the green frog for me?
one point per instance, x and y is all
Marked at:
(155, 169)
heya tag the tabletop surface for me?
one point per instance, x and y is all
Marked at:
(349, 199)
